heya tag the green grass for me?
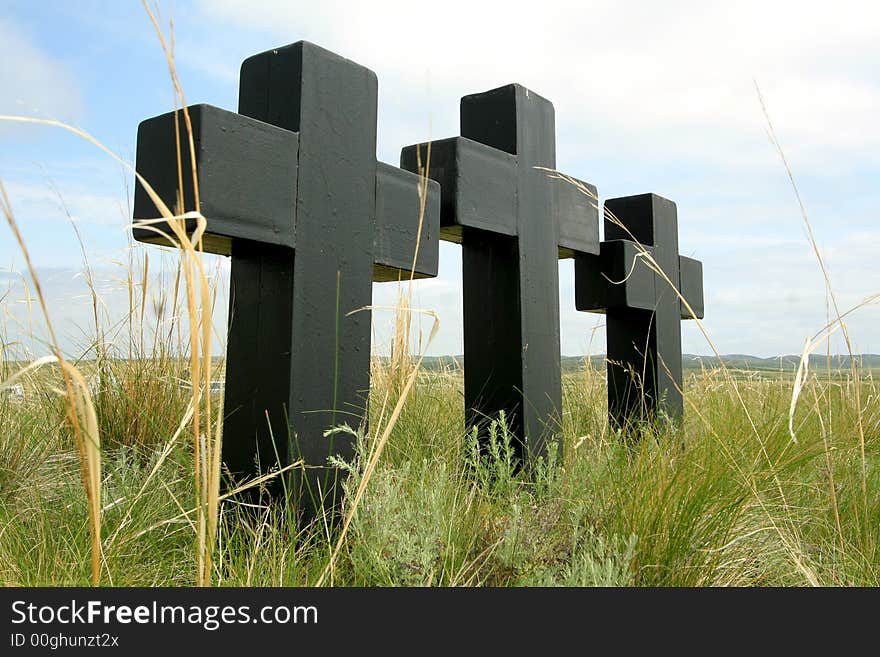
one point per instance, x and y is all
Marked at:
(728, 498)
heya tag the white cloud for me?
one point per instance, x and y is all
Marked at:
(33, 82)
(659, 79)
(33, 201)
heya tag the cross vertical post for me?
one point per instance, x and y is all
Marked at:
(331, 103)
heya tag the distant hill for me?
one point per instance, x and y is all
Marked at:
(691, 362)
(787, 363)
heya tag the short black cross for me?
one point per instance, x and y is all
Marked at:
(643, 311)
(292, 191)
(513, 220)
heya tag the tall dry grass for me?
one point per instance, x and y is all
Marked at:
(78, 404)
(199, 296)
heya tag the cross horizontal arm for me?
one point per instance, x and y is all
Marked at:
(691, 286)
(399, 218)
(615, 278)
(478, 190)
(477, 185)
(619, 277)
(247, 175)
(575, 206)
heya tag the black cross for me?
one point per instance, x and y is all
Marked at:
(513, 220)
(292, 191)
(643, 311)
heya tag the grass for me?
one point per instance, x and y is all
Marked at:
(709, 503)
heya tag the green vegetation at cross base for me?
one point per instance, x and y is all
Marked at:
(727, 498)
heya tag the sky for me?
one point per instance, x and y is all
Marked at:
(649, 97)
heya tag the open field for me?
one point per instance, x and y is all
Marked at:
(110, 468)
(729, 498)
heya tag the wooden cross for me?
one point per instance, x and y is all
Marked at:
(513, 220)
(643, 310)
(292, 190)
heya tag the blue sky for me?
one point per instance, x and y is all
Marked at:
(653, 97)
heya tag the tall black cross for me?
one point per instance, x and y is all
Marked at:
(643, 311)
(513, 220)
(292, 190)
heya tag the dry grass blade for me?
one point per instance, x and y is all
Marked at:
(810, 345)
(166, 451)
(198, 297)
(207, 443)
(771, 133)
(78, 406)
(248, 485)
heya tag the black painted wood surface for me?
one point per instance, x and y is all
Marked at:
(513, 220)
(643, 311)
(291, 188)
